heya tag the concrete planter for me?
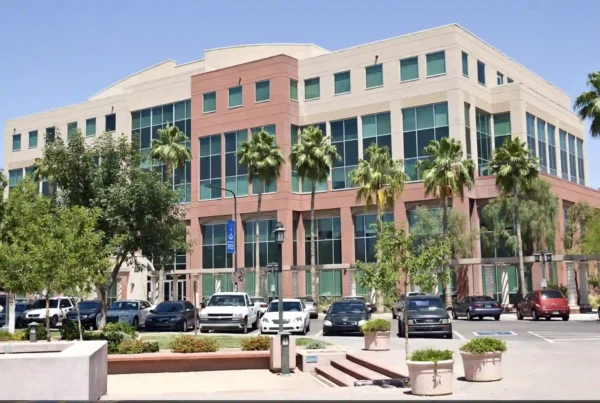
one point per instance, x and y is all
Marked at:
(378, 341)
(482, 367)
(275, 354)
(430, 378)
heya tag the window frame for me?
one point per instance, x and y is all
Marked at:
(256, 101)
(427, 64)
(204, 102)
(106, 117)
(349, 82)
(87, 121)
(318, 80)
(465, 63)
(499, 78)
(241, 88)
(378, 65)
(407, 59)
(484, 83)
(29, 139)
(16, 136)
(292, 81)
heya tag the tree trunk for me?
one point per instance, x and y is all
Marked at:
(523, 286)
(314, 277)
(257, 243)
(11, 313)
(103, 307)
(379, 293)
(48, 316)
(448, 282)
(79, 322)
(161, 286)
(405, 316)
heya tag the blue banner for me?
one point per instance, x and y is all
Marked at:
(230, 236)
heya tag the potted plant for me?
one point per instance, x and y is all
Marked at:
(377, 334)
(431, 372)
(482, 359)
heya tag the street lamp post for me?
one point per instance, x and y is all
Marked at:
(235, 233)
(284, 337)
(543, 257)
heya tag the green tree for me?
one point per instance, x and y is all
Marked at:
(587, 105)
(514, 168)
(264, 159)
(446, 174)
(314, 157)
(578, 218)
(380, 180)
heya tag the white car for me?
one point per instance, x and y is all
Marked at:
(59, 307)
(295, 319)
(132, 311)
(261, 304)
(229, 311)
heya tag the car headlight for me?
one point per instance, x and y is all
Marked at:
(361, 322)
(445, 321)
(298, 319)
(265, 320)
(238, 315)
(411, 322)
(203, 315)
(327, 323)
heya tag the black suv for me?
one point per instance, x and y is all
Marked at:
(88, 312)
(426, 316)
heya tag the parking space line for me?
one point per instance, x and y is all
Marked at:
(586, 339)
(460, 336)
(319, 334)
(541, 337)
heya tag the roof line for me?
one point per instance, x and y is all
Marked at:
(266, 44)
(186, 63)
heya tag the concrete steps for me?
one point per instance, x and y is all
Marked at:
(357, 371)
(345, 372)
(336, 376)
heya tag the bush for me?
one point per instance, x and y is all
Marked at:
(134, 346)
(376, 325)
(121, 327)
(484, 345)
(256, 343)
(6, 336)
(315, 345)
(431, 355)
(41, 331)
(69, 331)
(151, 347)
(191, 344)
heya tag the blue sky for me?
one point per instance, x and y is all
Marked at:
(57, 53)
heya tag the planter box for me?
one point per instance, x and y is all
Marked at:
(378, 341)
(482, 367)
(275, 353)
(430, 378)
(307, 360)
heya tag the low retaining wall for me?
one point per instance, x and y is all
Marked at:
(176, 362)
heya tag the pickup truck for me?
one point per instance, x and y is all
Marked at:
(229, 311)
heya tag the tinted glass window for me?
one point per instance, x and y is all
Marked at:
(41, 303)
(425, 304)
(169, 307)
(483, 298)
(65, 303)
(20, 307)
(227, 300)
(288, 306)
(348, 308)
(551, 294)
(124, 305)
(89, 305)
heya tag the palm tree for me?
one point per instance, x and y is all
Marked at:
(43, 171)
(587, 105)
(380, 180)
(264, 160)
(515, 169)
(169, 149)
(313, 156)
(445, 174)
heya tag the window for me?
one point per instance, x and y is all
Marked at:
(267, 246)
(262, 91)
(564, 164)
(306, 182)
(374, 76)
(499, 78)
(330, 283)
(468, 130)
(465, 64)
(365, 236)
(551, 150)
(484, 143)
(541, 136)
(436, 64)
(271, 187)
(409, 69)
(210, 167)
(33, 139)
(177, 261)
(572, 159)
(531, 134)
(344, 136)
(509, 80)
(328, 240)
(90, 127)
(214, 247)
(29, 171)
(236, 174)
(293, 89)
(235, 96)
(377, 129)
(71, 129)
(111, 122)
(209, 102)
(16, 142)
(15, 176)
(420, 126)
(501, 128)
(294, 134)
(580, 162)
(481, 72)
(341, 83)
(50, 134)
(312, 89)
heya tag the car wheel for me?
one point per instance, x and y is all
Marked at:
(136, 323)
(184, 326)
(454, 315)
(548, 317)
(401, 330)
(308, 327)
(565, 318)
(519, 314)
(53, 321)
(469, 317)
(534, 315)
(245, 326)
(202, 330)
(497, 317)
(325, 332)
(255, 324)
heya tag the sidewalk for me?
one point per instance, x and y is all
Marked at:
(592, 316)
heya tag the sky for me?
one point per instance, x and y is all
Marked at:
(59, 53)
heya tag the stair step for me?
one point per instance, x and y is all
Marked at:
(336, 376)
(376, 367)
(357, 371)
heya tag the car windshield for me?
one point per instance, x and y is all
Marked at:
(20, 307)
(288, 306)
(257, 299)
(227, 300)
(124, 306)
(89, 305)
(169, 307)
(41, 303)
(348, 308)
(551, 294)
(483, 298)
(425, 304)
(309, 300)
(356, 299)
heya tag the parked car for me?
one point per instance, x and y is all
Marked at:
(133, 312)
(229, 311)
(88, 313)
(398, 306)
(172, 315)
(310, 307)
(261, 304)
(426, 315)
(477, 306)
(295, 319)
(345, 316)
(370, 306)
(544, 303)
(21, 308)
(59, 307)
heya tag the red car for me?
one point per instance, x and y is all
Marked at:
(544, 303)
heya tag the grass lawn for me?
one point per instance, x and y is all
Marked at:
(224, 341)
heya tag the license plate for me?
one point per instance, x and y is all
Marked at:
(555, 313)
(488, 306)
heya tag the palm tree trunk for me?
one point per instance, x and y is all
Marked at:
(257, 242)
(169, 173)
(10, 311)
(519, 243)
(379, 293)
(314, 277)
(448, 282)
(79, 322)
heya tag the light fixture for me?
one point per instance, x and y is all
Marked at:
(112, 109)
(376, 57)
(279, 233)
(537, 257)
(240, 81)
(548, 257)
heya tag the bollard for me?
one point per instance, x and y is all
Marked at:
(285, 352)
(33, 332)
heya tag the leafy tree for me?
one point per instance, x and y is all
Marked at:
(591, 238)
(514, 168)
(578, 218)
(264, 160)
(446, 174)
(314, 157)
(587, 105)
(380, 180)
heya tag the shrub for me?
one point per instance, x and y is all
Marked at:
(315, 345)
(256, 343)
(6, 336)
(431, 355)
(113, 339)
(134, 346)
(376, 325)
(191, 344)
(484, 345)
(42, 333)
(121, 327)
(560, 287)
(92, 336)
(151, 347)
(69, 331)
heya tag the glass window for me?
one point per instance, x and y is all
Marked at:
(374, 76)
(71, 129)
(465, 64)
(90, 127)
(572, 159)
(509, 80)
(365, 236)
(341, 82)
(235, 97)
(502, 129)
(409, 69)
(468, 130)
(294, 134)
(484, 144)
(33, 139)
(531, 134)
(111, 122)
(306, 182)
(344, 136)
(580, 168)
(564, 164)
(481, 72)
(499, 78)
(15, 176)
(50, 134)
(541, 136)
(436, 63)
(236, 174)
(209, 102)
(377, 130)
(263, 91)
(552, 150)
(328, 240)
(266, 242)
(210, 167)
(16, 142)
(330, 283)
(214, 247)
(293, 89)
(312, 88)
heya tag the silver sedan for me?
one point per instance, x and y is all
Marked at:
(132, 312)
